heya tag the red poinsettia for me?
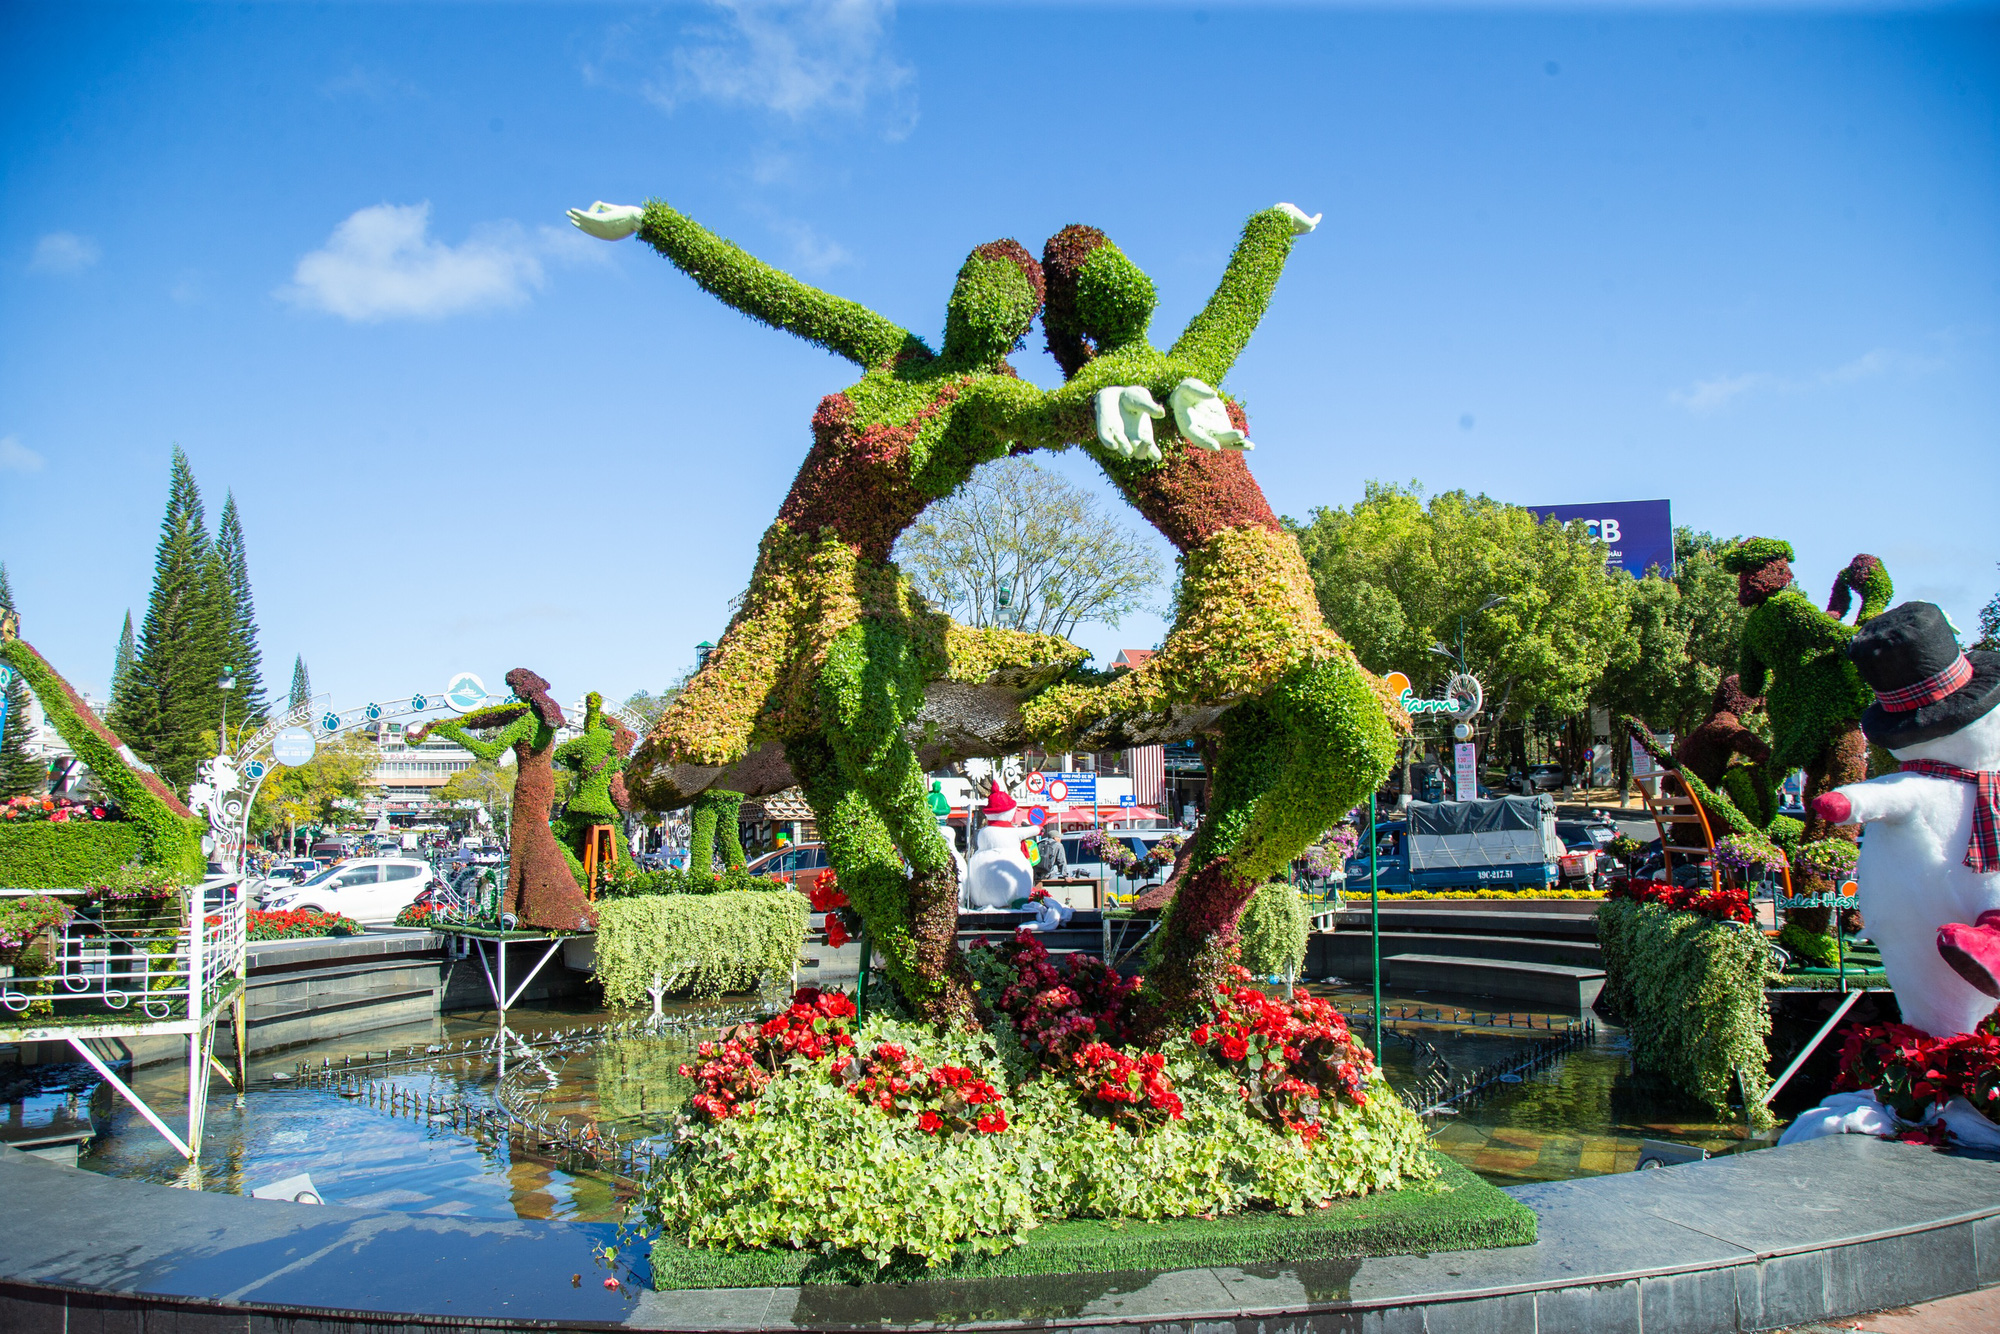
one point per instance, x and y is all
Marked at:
(1912, 1072)
(1729, 905)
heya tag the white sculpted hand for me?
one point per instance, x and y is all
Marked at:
(1125, 416)
(1204, 418)
(1301, 224)
(609, 222)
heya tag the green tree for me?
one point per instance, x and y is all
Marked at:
(171, 695)
(645, 707)
(20, 772)
(128, 652)
(302, 686)
(1019, 547)
(342, 769)
(242, 651)
(1989, 626)
(486, 783)
(1398, 575)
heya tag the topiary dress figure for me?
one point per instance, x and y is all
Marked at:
(541, 889)
(597, 758)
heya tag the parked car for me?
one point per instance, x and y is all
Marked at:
(1538, 778)
(368, 889)
(800, 867)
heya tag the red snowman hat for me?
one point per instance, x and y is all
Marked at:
(1000, 803)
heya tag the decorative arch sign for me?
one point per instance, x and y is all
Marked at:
(293, 747)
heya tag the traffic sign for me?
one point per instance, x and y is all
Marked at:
(1036, 783)
(1036, 815)
(293, 746)
(1058, 790)
(1082, 787)
(1128, 800)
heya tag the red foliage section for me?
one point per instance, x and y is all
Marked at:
(1911, 1071)
(1059, 1010)
(1293, 1058)
(856, 478)
(1062, 256)
(1729, 905)
(1197, 493)
(816, 1025)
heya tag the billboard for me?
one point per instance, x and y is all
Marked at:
(1640, 533)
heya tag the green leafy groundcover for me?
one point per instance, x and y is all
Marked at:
(1453, 1211)
(66, 856)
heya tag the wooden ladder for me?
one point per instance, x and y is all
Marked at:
(1683, 825)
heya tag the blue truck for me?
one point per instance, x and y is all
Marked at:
(1507, 843)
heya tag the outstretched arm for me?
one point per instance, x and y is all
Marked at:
(1216, 337)
(730, 273)
(506, 716)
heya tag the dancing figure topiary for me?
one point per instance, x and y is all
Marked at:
(834, 656)
(597, 758)
(542, 890)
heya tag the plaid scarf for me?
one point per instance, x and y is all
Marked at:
(1984, 852)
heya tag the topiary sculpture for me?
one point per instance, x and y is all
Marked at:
(1815, 697)
(597, 758)
(716, 812)
(834, 657)
(541, 888)
(1707, 751)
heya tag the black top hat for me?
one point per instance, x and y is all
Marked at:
(1925, 685)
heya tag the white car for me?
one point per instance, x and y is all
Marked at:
(368, 889)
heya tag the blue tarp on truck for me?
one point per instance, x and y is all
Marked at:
(1506, 843)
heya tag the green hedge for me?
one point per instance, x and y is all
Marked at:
(1691, 992)
(1453, 1211)
(65, 856)
(701, 944)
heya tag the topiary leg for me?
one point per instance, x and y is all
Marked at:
(871, 685)
(729, 831)
(713, 809)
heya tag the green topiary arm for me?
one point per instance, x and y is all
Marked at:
(489, 750)
(739, 279)
(1217, 336)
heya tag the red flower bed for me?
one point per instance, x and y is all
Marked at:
(1910, 1071)
(734, 1071)
(1059, 1010)
(1291, 1057)
(1729, 905)
(827, 897)
(422, 914)
(946, 1100)
(55, 810)
(300, 924)
(1131, 1092)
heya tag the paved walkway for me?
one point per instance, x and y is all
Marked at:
(1967, 1313)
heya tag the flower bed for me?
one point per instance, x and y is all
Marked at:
(966, 1141)
(1915, 1074)
(299, 924)
(1728, 905)
(54, 810)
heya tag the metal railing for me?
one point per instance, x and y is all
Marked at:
(134, 962)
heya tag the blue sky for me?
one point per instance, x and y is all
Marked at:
(1747, 259)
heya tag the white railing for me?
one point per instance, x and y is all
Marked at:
(132, 962)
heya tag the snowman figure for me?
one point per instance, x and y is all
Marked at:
(1929, 871)
(999, 871)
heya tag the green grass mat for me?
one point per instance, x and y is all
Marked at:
(1454, 1212)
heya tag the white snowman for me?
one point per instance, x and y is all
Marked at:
(1929, 871)
(999, 871)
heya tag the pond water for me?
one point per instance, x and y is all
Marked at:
(1582, 1114)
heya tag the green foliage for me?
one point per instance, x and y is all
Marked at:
(1784, 830)
(302, 690)
(1989, 626)
(1274, 927)
(167, 837)
(170, 696)
(1680, 640)
(484, 782)
(698, 944)
(1796, 656)
(715, 813)
(1214, 338)
(339, 770)
(1691, 991)
(1396, 572)
(1114, 297)
(1826, 859)
(627, 883)
(1453, 1211)
(21, 774)
(65, 856)
(246, 702)
(1812, 947)
(1745, 556)
(128, 653)
(991, 307)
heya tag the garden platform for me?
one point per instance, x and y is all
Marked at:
(1751, 1241)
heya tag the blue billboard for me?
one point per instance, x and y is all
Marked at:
(1640, 533)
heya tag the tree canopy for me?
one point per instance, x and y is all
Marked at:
(341, 769)
(1017, 533)
(21, 773)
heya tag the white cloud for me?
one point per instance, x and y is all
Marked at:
(17, 457)
(64, 252)
(791, 57)
(810, 251)
(1706, 396)
(371, 85)
(381, 264)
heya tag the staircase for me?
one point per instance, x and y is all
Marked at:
(1541, 952)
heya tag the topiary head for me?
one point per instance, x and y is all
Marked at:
(998, 295)
(593, 711)
(1730, 697)
(1762, 566)
(1098, 300)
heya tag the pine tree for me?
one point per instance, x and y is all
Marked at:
(121, 666)
(302, 686)
(171, 696)
(20, 772)
(247, 701)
